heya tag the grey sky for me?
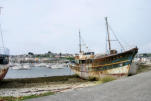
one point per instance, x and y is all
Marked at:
(52, 25)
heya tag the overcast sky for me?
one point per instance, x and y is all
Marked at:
(40, 26)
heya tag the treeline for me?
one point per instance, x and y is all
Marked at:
(144, 55)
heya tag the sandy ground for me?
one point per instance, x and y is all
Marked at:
(134, 88)
(39, 88)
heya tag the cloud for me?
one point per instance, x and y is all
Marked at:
(43, 25)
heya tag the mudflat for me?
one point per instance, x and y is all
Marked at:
(134, 88)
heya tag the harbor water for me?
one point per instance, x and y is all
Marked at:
(37, 72)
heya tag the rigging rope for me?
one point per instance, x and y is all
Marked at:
(116, 37)
(2, 36)
(1, 32)
(85, 45)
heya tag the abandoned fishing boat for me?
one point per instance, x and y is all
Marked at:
(88, 65)
(4, 59)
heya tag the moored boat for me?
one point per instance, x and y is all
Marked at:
(4, 63)
(4, 58)
(88, 65)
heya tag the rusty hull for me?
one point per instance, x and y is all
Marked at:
(115, 72)
(3, 71)
(115, 65)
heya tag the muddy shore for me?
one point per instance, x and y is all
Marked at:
(31, 86)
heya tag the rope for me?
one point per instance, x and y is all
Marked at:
(85, 45)
(2, 36)
(1, 31)
(116, 38)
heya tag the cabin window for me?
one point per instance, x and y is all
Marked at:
(77, 61)
(111, 59)
(89, 61)
(82, 61)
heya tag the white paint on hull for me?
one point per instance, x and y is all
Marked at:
(119, 70)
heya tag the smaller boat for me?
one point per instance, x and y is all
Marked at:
(21, 67)
(59, 66)
(48, 65)
(40, 65)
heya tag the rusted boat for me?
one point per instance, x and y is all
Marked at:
(4, 58)
(4, 63)
(88, 65)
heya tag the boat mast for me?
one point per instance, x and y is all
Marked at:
(107, 27)
(79, 42)
(1, 30)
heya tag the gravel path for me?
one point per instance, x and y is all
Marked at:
(134, 88)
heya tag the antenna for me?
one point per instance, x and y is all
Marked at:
(1, 30)
(79, 41)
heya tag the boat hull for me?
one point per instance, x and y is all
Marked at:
(117, 65)
(115, 72)
(3, 71)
